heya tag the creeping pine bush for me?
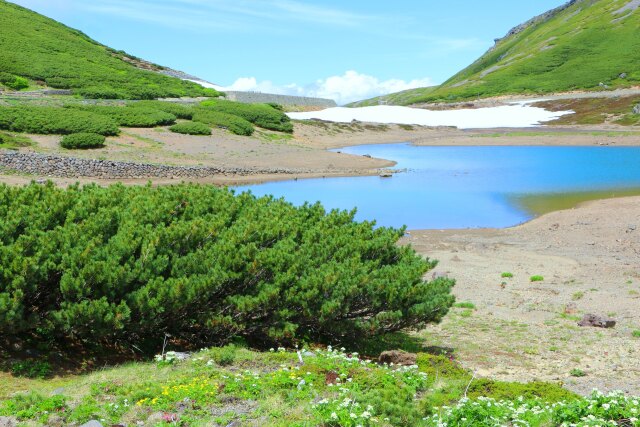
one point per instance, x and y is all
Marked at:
(131, 115)
(262, 115)
(233, 124)
(13, 82)
(82, 140)
(127, 264)
(53, 120)
(191, 128)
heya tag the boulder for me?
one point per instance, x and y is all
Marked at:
(398, 357)
(593, 321)
(636, 109)
(92, 423)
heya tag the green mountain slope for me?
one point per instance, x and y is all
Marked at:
(583, 45)
(48, 53)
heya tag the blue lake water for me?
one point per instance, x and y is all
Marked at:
(463, 187)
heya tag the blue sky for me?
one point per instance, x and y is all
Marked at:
(345, 50)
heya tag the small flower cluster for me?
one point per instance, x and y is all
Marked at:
(198, 390)
(597, 410)
(346, 412)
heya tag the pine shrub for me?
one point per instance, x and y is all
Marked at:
(130, 115)
(262, 115)
(13, 82)
(122, 265)
(191, 128)
(55, 120)
(233, 124)
(76, 141)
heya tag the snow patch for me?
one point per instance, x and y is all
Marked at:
(517, 115)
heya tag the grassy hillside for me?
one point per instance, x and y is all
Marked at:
(38, 51)
(579, 46)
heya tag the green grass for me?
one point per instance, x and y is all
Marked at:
(636, 333)
(577, 49)
(220, 385)
(13, 141)
(578, 373)
(468, 305)
(48, 53)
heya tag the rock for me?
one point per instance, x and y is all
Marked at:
(438, 275)
(398, 357)
(8, 422)
(623, 75)
(636, 109)
(92, 423)
(55, 421)
(591, 320)
(631, 228)
(155, 418)
(308, 354)
(386, 175)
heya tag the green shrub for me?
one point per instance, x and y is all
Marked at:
(536, 278)
(82, 141)
(31, 369)
(53, 120)
(636, 333)
(128, 264)
(94, 92)
(131, 115)
(233, 124)
(507, 275)
(191, 128)
(262, 115)
(13, 82)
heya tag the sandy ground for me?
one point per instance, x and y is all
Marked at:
(524, 331)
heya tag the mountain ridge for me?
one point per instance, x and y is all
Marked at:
(583, 45)
(50, 54)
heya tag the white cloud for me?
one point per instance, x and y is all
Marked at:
(349, 87)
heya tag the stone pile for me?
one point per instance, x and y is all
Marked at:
(70, 167)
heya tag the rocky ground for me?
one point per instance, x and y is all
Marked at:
(523, 330)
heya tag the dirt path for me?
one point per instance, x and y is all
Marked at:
(524, 331)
